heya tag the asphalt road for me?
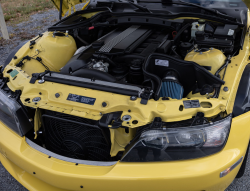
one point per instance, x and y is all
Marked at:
(8, 183)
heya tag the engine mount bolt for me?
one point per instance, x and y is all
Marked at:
(57, 95)
(133, 98)
(225, 89)
(104, 104)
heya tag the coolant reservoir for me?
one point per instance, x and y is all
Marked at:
(197, 26)
(54, 48)
(211, 58)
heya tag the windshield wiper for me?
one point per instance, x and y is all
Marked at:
(216, 12)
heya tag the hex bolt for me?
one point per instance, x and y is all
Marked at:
(133, 98)
(225, 89)
(57, 95)
(36, 99)
(104, 104)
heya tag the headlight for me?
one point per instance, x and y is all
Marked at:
(13, 115)
(180, 143)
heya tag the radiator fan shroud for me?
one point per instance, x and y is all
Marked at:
(75, 137)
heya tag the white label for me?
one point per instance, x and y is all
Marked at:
(230, 32)
(159, 62)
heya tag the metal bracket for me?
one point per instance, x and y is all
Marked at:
(36, 76)
(145, 95)
(157, 123)
(111, 120)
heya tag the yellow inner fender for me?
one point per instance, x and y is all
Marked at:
(213, 58)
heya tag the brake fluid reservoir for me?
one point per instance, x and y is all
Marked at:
(198, 26)
(212, 59)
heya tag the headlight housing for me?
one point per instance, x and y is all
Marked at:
(180, 143)
(13, 115)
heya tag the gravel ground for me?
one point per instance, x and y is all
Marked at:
(26, 30)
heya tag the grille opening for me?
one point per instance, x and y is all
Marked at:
(75, 137)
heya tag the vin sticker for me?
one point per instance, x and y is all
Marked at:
(191, 104)
(81, 99)
(159, 62)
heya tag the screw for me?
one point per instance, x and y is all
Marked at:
(133, 98)
(129, 110)
(225, 89)
(36, 99)
(34, 173)
(104, 104)
(40, 93)
(81, 186)
(57, 95)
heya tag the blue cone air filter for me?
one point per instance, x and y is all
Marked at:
(171, 89)
(171, 86)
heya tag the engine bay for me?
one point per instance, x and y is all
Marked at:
(122, 54)
(97, 83)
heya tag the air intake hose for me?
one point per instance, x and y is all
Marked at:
(171, 86)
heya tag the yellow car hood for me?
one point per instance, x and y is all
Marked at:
(67, 4)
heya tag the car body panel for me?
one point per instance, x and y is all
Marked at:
(22, 162)
(67, 5)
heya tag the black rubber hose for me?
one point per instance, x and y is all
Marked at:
(94, 74)
(173, 49)
(79, 38)
(224, 65)
(104, 57)
(176, 38)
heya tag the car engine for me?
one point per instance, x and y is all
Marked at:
(123, 56)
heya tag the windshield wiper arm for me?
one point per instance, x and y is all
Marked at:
(216, 12)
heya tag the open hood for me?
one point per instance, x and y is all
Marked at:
(247, 2)
(68, 4)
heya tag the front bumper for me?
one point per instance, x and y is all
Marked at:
(36, 171)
